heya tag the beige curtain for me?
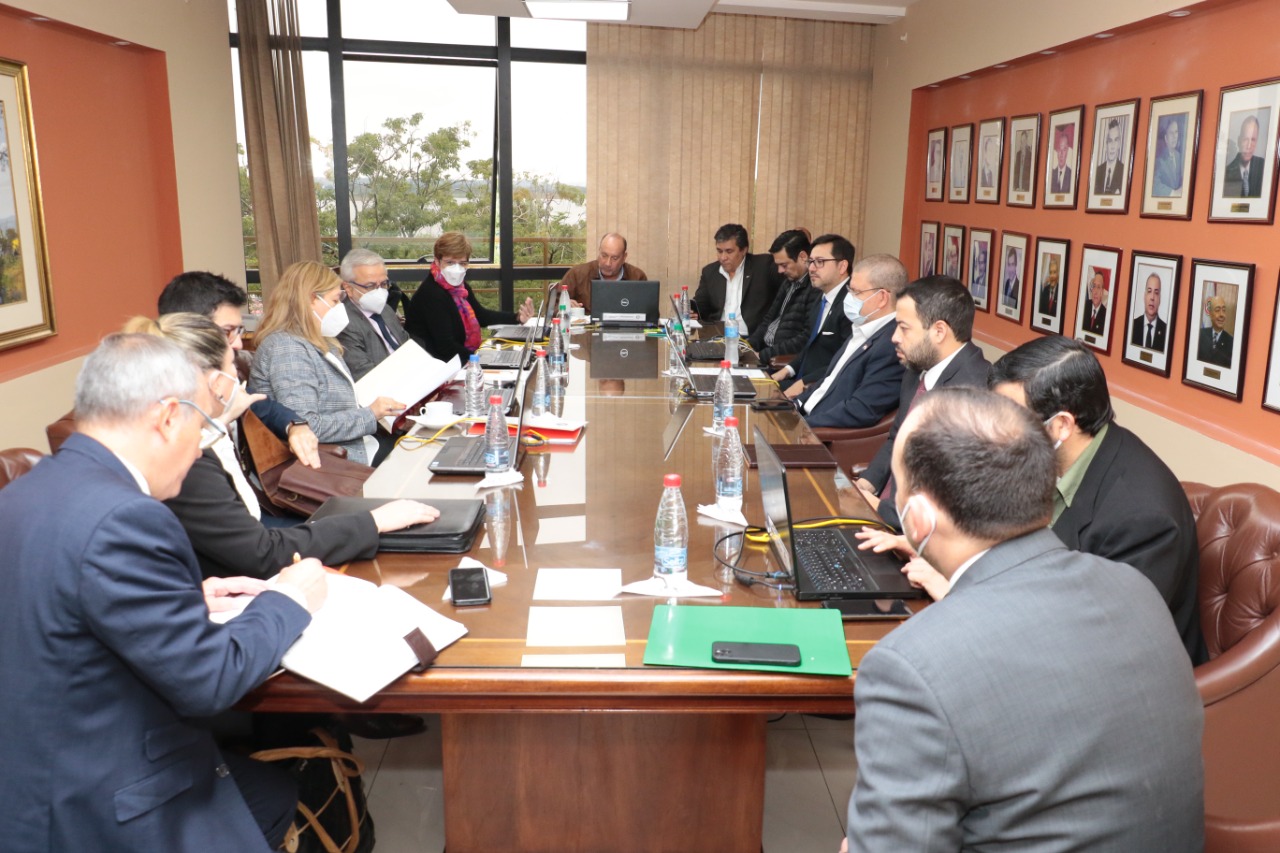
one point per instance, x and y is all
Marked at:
(277, 137)
(761, 121)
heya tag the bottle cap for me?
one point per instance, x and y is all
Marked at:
(555, 321)
(541, 353)
(564, 287)
(475, 356)
(725, 363)
(731, 421)
(671, 480)
(495, 400)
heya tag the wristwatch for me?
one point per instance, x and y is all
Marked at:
(293, 423)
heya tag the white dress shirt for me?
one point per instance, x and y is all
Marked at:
(733, 297)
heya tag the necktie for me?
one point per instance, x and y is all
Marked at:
(386, 333)
(1244, 178)
(817, 324)
(1149, 329)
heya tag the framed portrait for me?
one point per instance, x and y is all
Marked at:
(1050, 284)
(961, 156)
(953, 251)
(990, 152)
(1173, 143)
(1218, 326)
(935, 164)
(26, 298)
(1271, 389)
(979, 266)
(1153, 297)
(1095, 303)
(1244, 156)
(1062, 166)
(1115, 127)
(1013, 271)
(928, 249)
(1024, 160)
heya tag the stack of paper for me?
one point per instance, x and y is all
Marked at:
(409, 374)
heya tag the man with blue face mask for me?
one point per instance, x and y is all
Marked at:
(373, 330)
(862, 384)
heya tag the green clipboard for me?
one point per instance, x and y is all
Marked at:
(682, 636)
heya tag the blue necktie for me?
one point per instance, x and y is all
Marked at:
(817, 324)
(386, 333)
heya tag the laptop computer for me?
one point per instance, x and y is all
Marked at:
(538, 331)
(455, 393)
(623, 355)
(511, 358)
(622, 304)
(452, 533)
(823, 562)
(703, 385)
(464, 454)
(692, 350)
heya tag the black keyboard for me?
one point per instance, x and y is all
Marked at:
(705, 351)
(832, 566)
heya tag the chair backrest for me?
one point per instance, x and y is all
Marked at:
(61, 429)
(1238, 527)
(15, 462)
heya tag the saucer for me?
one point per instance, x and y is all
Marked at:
(434, 424)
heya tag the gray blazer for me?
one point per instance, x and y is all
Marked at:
(292, 371)
(362, 346)
(1046, 704)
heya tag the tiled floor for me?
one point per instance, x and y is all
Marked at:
(810, 775)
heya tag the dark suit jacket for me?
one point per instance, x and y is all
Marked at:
(1047, 307)
(1220, 353)
(432, 320)
(865, 390)
(1131, 508)
(1060, 186)
(793, 328)
(107, 654)
(228, 541)
(1100, 185)
(1138, 332)
(1233, 187)
(760, 281)
(1098, 324)
(1022, 176)
(579, 279)
(816, 356)
(362, 346)
(1034, 642)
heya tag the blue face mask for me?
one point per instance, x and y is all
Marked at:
(853, 305)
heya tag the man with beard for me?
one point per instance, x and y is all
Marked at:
(932, 339)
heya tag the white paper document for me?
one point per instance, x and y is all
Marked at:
(577, 584)
(575, 626)
(407, 375)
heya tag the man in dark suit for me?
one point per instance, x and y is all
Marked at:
(1023, 163)
(1011, 281)
(1216, 344)
(784, 330)
(1095, 311)
(107, 652)
(1243, 176)
(933, 341)
(1003, 717)
(737, 281)
(826, 327)
(1051, 289)
(1149, 331)
(373, 331)
(861, 385)
(1108, 177)
(1060, 176)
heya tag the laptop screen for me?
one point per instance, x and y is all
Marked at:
(625, 302)
(775, 502)
(675, 427)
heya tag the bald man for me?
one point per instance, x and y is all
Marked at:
(610, 265)
(1216, 343)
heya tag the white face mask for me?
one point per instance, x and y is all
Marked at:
(853, 305)
(454, 274)
(1048, 421)
(332, 323)
(933, 525)
(374, 301)
(236, 388)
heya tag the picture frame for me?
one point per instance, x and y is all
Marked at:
(928, 249)
(989, 150)
(1173, 149)
(1096, 297)
(1154, 279)
(1048, 305)
(1013, 275)
(26, 294)
(961, 163)
(1024, 160)
(1062, 158)
(1256, 105)
(935, 164)
(1221, 294)
(953, 251)
(1271, 388)
(1110, 173)
(979, 267)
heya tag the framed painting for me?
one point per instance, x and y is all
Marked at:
(1024, 160)
(1095, 301)
(1013, 268)
(1244, 155)
(953, 250)
(990, 150)
(1153, 298)
(980, 266)
(1062, 171)
(1115, 127)
(928, 249)
(1173, 143)
(935, 164)
(961, 157)
(1218, 326)
(1050, 284)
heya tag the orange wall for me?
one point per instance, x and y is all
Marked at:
(1223, 46)
(105, 147)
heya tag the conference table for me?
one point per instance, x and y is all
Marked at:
(613, 757)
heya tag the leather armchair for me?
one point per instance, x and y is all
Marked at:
(855, 448)
(1238, 527)
(58, 431)
(15, 462)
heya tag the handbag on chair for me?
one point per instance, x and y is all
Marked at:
(291, 486)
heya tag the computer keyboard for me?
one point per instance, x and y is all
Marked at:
(501, 358)
(705, 350)
(832, 566)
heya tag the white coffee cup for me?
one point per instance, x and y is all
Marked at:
(576, 312)
(438, 412)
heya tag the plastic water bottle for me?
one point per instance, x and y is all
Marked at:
(497, 450)
(684, 305)
(731, 338)
(722, 399)
(555, 355)
(540, 400)
(475, 393)
(730, 467)
(563, 310)
(497, 522)
(671, 535)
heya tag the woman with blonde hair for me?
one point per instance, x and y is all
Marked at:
(444, 316)
(298, 363)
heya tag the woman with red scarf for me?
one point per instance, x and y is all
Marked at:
(444, 316)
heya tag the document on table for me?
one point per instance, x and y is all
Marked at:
(409, 374)
(576, 626)
(749, 372)
(577, 584)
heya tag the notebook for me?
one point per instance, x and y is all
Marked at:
(625, 303)
(823, 562)
(452, 533)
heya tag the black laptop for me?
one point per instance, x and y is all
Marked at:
(452, 533)
(625, 304)
(464, 454)
(539, 331)
(692, 350)
(823, 562)
(703, 385)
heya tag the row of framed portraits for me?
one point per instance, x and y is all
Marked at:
(1244, 162)
(1012, 280)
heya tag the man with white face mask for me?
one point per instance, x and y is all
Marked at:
(861, 386)
(1003, 717)
(373, 330)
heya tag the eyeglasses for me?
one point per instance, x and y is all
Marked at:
(818, 262)
(218, 431)
(373, 285)
(232, 332)
(868, 290)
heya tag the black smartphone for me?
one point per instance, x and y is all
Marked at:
(773, 404)
(469, 586)
(774, 654)
(869, 608)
